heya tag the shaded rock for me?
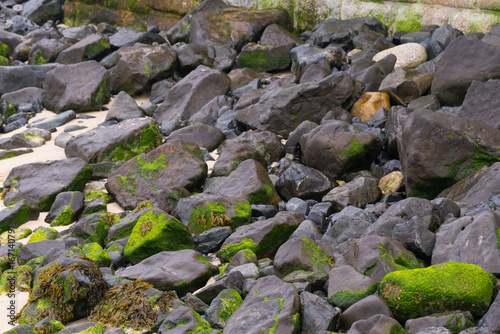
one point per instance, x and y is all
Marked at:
(456, 321)
(160, 89)
(45, 51)
(17, 214)
(55, 121)
(66, 208)
(376, 324)
(273, 303)
(180, 270)
(245, 25)
(429, 102)
(40, 182)
(475, 188)
(292, 145)
(175, 164)
(404, 86)
(349, 223)
(306, 55)
(80, 87)
(303, 182)
(317, 314)
(358, 193)
(347, 286)
(138, 67)
(263, 237)
(190, 56)
(117, 142)
(458, 145)
(371, 73)
(203, 135)
(376, 256)
(408, 55)
(365, 309)
(210, 112)
(481, 102)
(414, 235)
(211, 240)
(250, 181)
(396, 118)
(40, 11)
(14, 78)
(94, 46)
(282, 110)
(450, 281)
(232, 281)
(123, 107)
(189, 95)
(316, 71)
(40, 248)
(264, 58)
(25, 95)
(232, 154)
(457, 68)
(347, 148)
(463, 239)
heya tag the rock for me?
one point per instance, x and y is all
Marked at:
(414, 235)
(25, 95)
(316, 71)
(268, 144)
(481, 104)
(203, 135)
(303, 182)
(463, 239)
(264, 58)
(358, 193)
(276, 35)
(459, 146)
(249, 181)
(371, 73)
(189, 95)
(408, 55)
(457, 69)
(368, 104)
(76, 34)
(376, 256)
(351, 222)
(175, 164)
(244, 25)
(80, 87)
(347, 286)
(21, 25)
(155, 232)
(190, 56)
(202, 212)
(450, 281)
(317, 314)
(66, 208)
(232, 281)
(342, 31)
(302, 254)
(241, 77)
(209, 113)
(6, 154)
(16, 234)
(365, 309)
(94, 46)
(233, 153)
(181, 270)
(391, 183)
(211, 240)
(43, 233)
(248, 270)
(45, 51)
(378, 323)
(456, 321)
(123, 107)
(127, 37)
(26, 139)
(138, 67)
(257, 236)
(306, 55)
(17, 214)
(40, 11)
(274, 305)
(425, 102)
(292, 145)
(396, 118)
(404, 86)
(477, 187)
(41, 248)
(55, 121)
(117, 142)
(185, 318)
(40, 182)
(222, 307)
(14, 78)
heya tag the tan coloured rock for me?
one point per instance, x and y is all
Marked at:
(391, 182)
(409, 55)
(368, 104)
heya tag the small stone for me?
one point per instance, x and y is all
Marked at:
(391, 183)
(408, 55)
(368, 104)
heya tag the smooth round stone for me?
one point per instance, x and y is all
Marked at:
(408, 55)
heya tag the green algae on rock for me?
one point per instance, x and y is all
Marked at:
(95, 252)
(19, 233)
(438, 288)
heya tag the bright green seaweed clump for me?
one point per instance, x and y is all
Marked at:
(227, 252)
(436, 289)
(95, 252)
(154, 233)
(97, 194)
(345, 298)
(65, 217)
(4, 50)
(230, 300)
(20, 277)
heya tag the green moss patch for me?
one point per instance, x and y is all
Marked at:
(96, 253)
(345, 299)
(20, 277)
(97, 194)
(19, 233)
(43, 233)
(230, 301)
(216, 214)
(65, 217)
(227, 252)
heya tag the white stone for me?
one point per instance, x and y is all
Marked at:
(408, 55)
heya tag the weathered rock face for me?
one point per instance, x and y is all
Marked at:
(282, 110)
(13, 78)
(481, 102)
(91, 47)
(190, 56)
(303, 182)
(118, 142)
(437, 150)
(175, 164)
(459, 66)
(41, 182)
(138, 67)
(337, 148)
(80, 87)
(234, 26)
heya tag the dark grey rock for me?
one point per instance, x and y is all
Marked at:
(55, 121)
(303, 182)
(317, 314)
(123, 107)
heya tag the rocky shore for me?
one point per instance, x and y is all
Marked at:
(228, 176)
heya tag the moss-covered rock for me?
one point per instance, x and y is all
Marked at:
(154, 233)
(17, 279)
(438, 288)
(17, 234)
(222, 307)
(95, 252)
(17, 214)
(188, 319)
(94, 228)
(48, 326)
(65, 217)
(97, 194)
(43, 233)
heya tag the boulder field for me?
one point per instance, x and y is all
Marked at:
(340, 181)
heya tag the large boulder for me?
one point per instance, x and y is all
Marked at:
(14, 78)
(138, 67)
(94, 46)
(436, 289)
(234, 26)
(189, 95)
(337, 148)
(274, 306)
(482, 103)
(175, 164)
(437, 150)
(40, 11)
(17, 214)
(183, 270)
(80, 87)
(282, 110)
(40, 182)
(466, 59)
(117, 142)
